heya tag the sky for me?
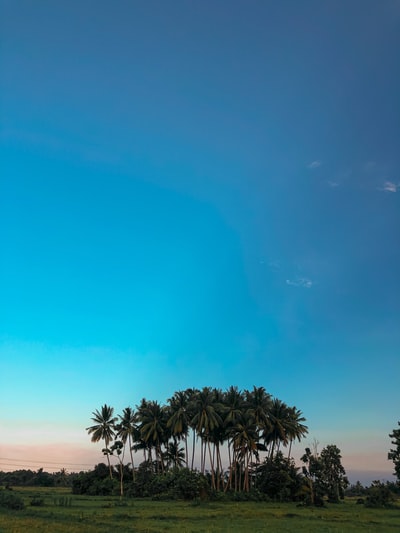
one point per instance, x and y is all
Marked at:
(199, 194)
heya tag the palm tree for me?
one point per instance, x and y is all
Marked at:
(234, 409)
(244, 435)
(206, 420)
(191, 395)
(296, 428)
(103, 429)
(127, 430)
(279, 425)
(258, 402)
(153, 428)
(179, 418)
(175, 454)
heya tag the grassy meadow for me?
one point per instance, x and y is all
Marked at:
(63, 512)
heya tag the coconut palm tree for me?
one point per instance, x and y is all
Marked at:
(277, 431)
(234, 408)
(258, 401)
(244, 435)
(206, 420)
(296, 429)
(127, 431)
(175, 455)
(179, 418)
(153, 428)
(191, 395)
(103, 429)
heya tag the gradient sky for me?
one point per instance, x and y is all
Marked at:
(199, 193)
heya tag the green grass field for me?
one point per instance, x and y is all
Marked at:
(107, 514)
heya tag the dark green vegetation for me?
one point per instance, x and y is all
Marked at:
(260, 489)
(249, 429)
(61, 513)
(246, 423)
(394, 454)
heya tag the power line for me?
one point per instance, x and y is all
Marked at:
(28, 466)
(34, 461)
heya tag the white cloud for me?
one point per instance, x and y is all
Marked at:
(274, 265)
(314, 164)
(333, 184)
(389, 186)
(300, 282)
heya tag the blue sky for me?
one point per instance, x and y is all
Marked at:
(199, 194)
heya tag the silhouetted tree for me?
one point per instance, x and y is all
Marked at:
(394, 454)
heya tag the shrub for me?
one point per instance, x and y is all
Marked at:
(188, 485)
(9, 500)
(379, 495)
(95, 482)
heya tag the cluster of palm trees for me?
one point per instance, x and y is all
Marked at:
(239, 426)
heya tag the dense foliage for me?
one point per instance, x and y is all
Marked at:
(244, 425)
(30, 478)
(325, 474)
(394, 454)
(379, 495)
(249, 429)
(9, 500)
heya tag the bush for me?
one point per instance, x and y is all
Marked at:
(178, 484)
(278, 478)
(188, 485)
(9, 500)
(95, 482)
(379, 495)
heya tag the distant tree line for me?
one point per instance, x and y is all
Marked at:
(39, 478)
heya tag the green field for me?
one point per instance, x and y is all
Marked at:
(63, 512)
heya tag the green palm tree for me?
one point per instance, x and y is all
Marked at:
(234, 404)
(175, 455)
(244, 435)
(277, 431)
(206, 420)
(179, 418)
(127, 431)
(103, 429)
(191, 395)
(296, 429)
(258, 401)
(153, 428)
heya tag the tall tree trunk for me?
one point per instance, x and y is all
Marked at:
(212, 465)
(246, 472)
(108, 458)
(130, 451)
(229, 482)
(194, 447)
(121, 479)
(204, 452)
(290, 448)
(220, 471)
(186, 452)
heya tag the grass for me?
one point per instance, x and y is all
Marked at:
(62, 512)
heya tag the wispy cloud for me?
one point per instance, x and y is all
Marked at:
(389, 186)
(300, 282)
(274, 265)
(315, 164)
(333, 184)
